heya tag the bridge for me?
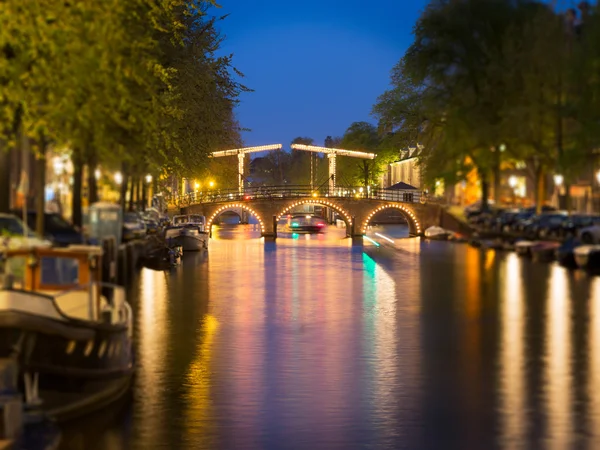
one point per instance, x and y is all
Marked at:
(356, 206)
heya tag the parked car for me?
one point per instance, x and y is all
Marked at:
(133, 226)
(590, 235)
(539, 225)
(14, 233)
(571, 225)
(504, 219)
(56, 229)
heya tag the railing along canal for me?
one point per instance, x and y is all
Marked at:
(291, 192)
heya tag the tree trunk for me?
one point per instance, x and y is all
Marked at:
(485, 192)
(77, 216)
(131, 193)
(5, 188)
(497, 178)
(540, 189)
(144, 186)
(123, 187)
(92, 164)
(40, 200)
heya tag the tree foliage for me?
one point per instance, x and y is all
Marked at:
(482, 76)
(134, 82)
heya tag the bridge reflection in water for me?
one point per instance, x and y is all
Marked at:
(315, 343)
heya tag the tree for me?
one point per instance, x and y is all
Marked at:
(446, 94)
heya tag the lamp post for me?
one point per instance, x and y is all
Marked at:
(118, 178)
(558, 181)
(512, 182)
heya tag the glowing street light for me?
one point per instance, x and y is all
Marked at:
(97, 174)
(558, 179)
(598, 176)
(512, 181)
(211, 184)
(119, 178)
(148, 178)
(196, 185)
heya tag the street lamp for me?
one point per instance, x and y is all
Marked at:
(97, 174)
(148, 178)
(558, 179)
(196, 185)
(211, 184)
(598, 176)
(512, 182)
(118, 178)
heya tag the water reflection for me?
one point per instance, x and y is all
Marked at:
(593, 382)
(513, 384)
(558, 363)
(316, 343)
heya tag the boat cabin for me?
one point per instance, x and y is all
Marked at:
(70, 276)
(190, 220)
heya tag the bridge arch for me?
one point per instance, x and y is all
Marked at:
(410, 216)
(316, 201)
(229, 207)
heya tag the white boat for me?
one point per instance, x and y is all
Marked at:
(69, 334)
(437, 233)
(587, 256)
(523, 248)
(188, 232)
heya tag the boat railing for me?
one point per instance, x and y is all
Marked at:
(116, 310)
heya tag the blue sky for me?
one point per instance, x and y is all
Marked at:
(316, 66)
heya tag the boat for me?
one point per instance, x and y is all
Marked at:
(544, 251)
(188, 232)
(159, 256)
(588, 257)
(565, 253)
(523, 248)
(305, 223)
(69, 333)
(20, 427)
(437, 233)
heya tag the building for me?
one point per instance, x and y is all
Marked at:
(405, 170)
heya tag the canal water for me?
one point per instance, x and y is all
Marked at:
(313, 343)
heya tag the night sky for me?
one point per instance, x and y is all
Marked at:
(316, 65)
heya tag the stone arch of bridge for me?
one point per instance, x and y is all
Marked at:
(230, 207)
(323, 202)
(414, 225)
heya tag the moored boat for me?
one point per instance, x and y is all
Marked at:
(523, 248)
(188, 232)
(544, 251)
(588, 257)
(70, 334)
(565, 254)
(437, 233)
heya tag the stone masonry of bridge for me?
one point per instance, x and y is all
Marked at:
(357, 212)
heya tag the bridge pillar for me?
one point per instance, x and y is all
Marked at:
(270, 231)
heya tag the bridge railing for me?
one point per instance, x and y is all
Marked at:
(279, 192)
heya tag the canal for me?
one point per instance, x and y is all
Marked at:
(312, 343)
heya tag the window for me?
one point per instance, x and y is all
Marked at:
(59, 271)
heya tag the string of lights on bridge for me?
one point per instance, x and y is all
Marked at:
(407, 211)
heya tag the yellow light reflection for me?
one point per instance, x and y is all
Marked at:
(593, 353)
(558, 376)
(512, 359)
(199, 415)
(153, 331)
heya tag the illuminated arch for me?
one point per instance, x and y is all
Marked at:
(235, 205)
(411, 218)
(315, 201)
